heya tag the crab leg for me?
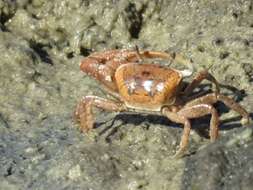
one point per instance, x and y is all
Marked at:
(186, 113)
(84, 113)
(200, 110)
(212, 98)
(198, 79)
(123, 56)
(175, 117)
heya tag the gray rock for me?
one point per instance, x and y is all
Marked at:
(226, 164)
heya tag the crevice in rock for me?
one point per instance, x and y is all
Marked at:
(85, 51)
(43, 55)
(10, 169)
(135, 18)
(3, 19)
(201, 49)
(70, 55)
(224, 55)
(219, 41)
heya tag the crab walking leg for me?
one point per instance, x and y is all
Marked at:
(198, 79)
(175, 117)
(200, 110)
(84, 112)
(229, 102)
(185, 114)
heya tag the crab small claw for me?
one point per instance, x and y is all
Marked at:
(186, 72)
(190, 68)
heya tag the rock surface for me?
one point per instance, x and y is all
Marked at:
(41, 45)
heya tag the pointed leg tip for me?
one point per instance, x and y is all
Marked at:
(86, 128)
(245, 121)
(179, 154)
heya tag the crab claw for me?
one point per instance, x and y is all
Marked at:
(188, 63)
(83, 114)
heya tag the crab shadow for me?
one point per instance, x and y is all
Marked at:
(200, 125)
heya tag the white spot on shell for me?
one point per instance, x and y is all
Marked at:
(160, 86)
(132, 85)
(148, 85)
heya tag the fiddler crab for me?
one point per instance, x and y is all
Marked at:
(140, 86)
